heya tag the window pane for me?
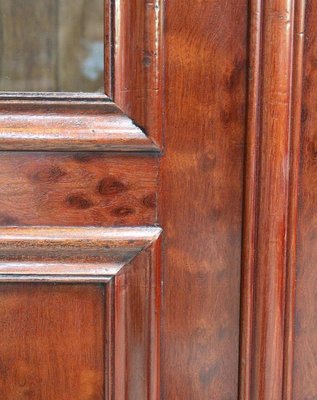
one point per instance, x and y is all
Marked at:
(51, 45)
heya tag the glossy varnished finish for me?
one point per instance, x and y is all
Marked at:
(217, 159)
(269, 246)
(77, 189)
(60, 123)
(305, 362)
(52, 342)
(137, 62)
(58, 254)
(201, 203)
(136, 327)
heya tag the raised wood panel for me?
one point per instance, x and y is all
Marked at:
(69, 189)
(89, 340)
(52, 341)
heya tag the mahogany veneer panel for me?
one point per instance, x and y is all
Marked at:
(77, 189)
(52, 342)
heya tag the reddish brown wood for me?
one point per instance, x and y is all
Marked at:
(305, 362)
(52, 342)
(69, 254)
(77, 189)
(137, 68)
(201, 197)
(296, 127)
(136, 328)
(56, 123)
(269, 256)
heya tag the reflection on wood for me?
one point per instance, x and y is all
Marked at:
(60, 48)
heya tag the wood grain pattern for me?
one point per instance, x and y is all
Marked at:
(305, 362)
(136, 327)
(77, 189)
(56, 123)
(295, 152)
(137, 62)
(269, 248)
(69, 254)
(201, 197)
(52, 342)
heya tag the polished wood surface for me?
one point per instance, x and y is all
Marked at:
(201, 204)
(51, 342)
(70, 254)
(269, 181)
(207, 130)
(55, 123)
(77, 189)
(137, 42)
(305, 368)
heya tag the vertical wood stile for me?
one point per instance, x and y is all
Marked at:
(296, 111)
(272, 162)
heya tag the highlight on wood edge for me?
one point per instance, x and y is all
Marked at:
(69, 254)
(68, 124)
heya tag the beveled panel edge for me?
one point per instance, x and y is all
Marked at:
(121, 381)
(64, 123)
(276, 40)
(69, 254)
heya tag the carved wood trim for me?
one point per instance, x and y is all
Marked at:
(92, 122)
(75, 125)
(69, 254)
(271, 182)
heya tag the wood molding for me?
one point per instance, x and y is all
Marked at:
(92, 122)
(58, 254)
(137, 69)
(271, 182)
(136, 327)
(68, 124)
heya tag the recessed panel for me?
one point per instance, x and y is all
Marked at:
(52, 342)
(51, 45)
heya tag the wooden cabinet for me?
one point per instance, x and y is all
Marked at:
(157, 238)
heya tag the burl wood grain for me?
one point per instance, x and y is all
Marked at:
(52, 342)
(201, 207)
(77, 189)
